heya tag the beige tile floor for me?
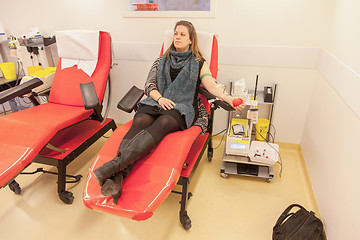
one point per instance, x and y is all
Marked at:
(234, 208)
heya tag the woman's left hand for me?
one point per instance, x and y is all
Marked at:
(230, 100)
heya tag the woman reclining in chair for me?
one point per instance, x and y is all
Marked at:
(173, 104)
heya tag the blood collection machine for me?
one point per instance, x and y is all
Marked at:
(243, 155)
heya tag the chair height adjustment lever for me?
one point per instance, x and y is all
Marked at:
(52, 147)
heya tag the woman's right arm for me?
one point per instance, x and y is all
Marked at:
(151, 81)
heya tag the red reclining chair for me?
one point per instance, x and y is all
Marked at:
(56, 132)
(173, 161)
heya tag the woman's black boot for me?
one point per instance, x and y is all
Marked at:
(113, 185)
(106, 170)
(140, 145)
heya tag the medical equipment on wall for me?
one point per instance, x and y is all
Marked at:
(243, 155)
(37, 55)
(37, 50)
(33, 52)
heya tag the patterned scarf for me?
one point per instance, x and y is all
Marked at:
(182, 89)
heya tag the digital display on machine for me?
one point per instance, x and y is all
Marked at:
(237, 146)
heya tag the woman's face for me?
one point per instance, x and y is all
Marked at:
(182, 39)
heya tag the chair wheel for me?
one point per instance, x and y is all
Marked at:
(210, 155)
(66, 197)
(185, 221)
(15, 187)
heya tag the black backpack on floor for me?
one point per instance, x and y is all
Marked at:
(300, 225)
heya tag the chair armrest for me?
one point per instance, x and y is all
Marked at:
(19, 90)
(131, 98)
(217, 102)
(89, 96)
(90, 99)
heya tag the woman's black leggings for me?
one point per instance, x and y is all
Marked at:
(157, 126)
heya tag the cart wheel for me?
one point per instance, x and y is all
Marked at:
(66, 197)
(269, 179)
(15, 187)
(224, 175)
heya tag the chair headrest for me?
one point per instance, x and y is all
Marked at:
(79, 48)
(205, 42)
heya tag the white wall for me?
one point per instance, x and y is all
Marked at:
(253, 22)
(330, 147)
(258, 23)
(281, 40)
(343, 33)
(330, 142)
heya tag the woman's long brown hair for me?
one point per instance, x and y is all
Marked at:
(193, 37)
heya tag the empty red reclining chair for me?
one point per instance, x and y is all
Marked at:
(56, 132)
(154, 176)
